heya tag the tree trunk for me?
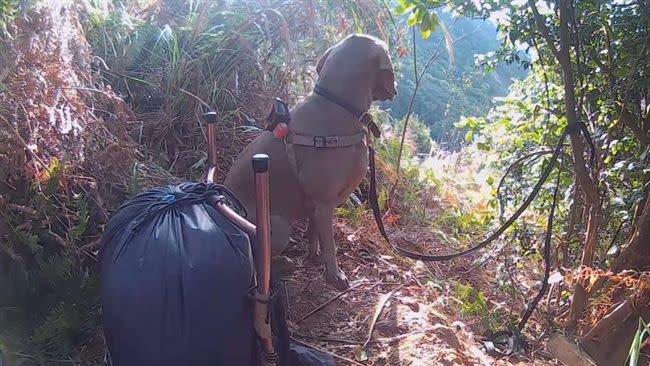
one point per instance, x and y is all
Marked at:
(636, 255)
(588, 184)
(576, 216)
(609, 341)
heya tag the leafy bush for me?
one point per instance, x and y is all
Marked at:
(474, 303)
(48, 305)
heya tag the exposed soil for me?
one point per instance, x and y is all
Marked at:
(420, 323)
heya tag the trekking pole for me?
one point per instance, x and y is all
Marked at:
(211, 119)
(268, 356)
(262, 234)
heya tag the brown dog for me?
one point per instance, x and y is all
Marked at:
(310, 181)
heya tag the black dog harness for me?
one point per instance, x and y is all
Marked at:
(332, 141)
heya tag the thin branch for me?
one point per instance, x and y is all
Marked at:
(319, 307)
(539, 20)
(515, 163)
(380, 307)
(418, 80)
(415, 52)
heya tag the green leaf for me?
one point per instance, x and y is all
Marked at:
(382, 198)
(361, 355)
(403, 7)
(461, 124)
(433, 19)
(484, 146)
(412, 19)
(490, 180)
(425, 27)
(469, 136)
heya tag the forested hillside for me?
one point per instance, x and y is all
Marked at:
(462, 80)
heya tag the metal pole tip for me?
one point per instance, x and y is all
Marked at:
(210, 117)
(260, 163)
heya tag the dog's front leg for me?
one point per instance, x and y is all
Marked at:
(323, 215)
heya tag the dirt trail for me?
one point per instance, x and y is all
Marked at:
(420, 324)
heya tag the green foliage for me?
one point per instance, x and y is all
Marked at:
(351, 213)
(419, 133)
(532, 116)
(452, 86)
(415, 183)
(474, 303)
(419, 14)
(635, 348)
(230, 57)
(9, 9)
(48, 305)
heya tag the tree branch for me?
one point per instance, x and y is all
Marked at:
(626, 118)
(539, 20)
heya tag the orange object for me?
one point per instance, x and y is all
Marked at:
(281, 130)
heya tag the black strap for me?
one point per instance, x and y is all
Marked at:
(501, 343)
(338, 101)
(372, 196)
(505, 343)
(481, 244)
(362, 116)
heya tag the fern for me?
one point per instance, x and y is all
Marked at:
(30, 240)
(57, 268)
(50, 335)
(474, 302)
(81, 204)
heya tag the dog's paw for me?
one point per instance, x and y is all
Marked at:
(315, 257)
(337, 279)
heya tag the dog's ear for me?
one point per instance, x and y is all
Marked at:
(385, 82)
(321, 62)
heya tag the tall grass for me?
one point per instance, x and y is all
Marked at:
(637, 343)
(231, 57)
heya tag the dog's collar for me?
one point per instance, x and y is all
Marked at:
(336, 100)
(362, 116)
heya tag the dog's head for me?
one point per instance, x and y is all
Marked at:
(372, 54)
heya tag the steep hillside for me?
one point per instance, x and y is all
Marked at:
(454, 84)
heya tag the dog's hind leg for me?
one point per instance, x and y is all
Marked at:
(314, 241)
(280, 231)
(323, 215)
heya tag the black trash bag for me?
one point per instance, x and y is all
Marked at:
(303, 356)
(175, 280)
